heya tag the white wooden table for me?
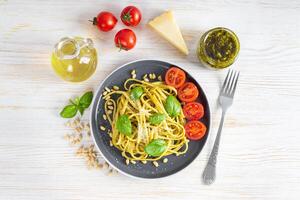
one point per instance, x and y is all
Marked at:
(259, 154)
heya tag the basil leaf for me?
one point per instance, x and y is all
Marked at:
(124, 125)
(172, 106)
(81, 110)
(156, 147)
(136, 93)
(69, 111)
(86, 99)
(157, 118)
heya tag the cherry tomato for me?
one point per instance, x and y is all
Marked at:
(131, 16)
(188, 92)
(105, 21)
(195, 130)
(125, 39)
(193, 111)
(175, 77)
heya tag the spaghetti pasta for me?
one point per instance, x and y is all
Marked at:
(151, 101)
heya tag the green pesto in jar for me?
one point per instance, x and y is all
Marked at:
(218, 48)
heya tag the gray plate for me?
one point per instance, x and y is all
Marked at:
(111, 154)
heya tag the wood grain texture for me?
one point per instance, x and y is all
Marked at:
(259, 153)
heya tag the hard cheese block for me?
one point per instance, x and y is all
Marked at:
(167, 27)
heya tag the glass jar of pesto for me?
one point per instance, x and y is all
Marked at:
(218, 48)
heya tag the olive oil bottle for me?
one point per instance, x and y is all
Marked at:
(74, 59)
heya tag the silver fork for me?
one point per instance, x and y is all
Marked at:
(225, 100)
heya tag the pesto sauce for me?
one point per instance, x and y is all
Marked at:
(218, 48)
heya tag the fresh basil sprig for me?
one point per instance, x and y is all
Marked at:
(156, 147)
(79, 104)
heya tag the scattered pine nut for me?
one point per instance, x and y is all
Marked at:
(127, 162)
(165, 160)
(105, 165)
(133, 76)
(67, 137)
(104, 117)
(110, 107)
(78, 129)
(76, 121)
(144, 161)
(159, 78)
(87, 127)
(68, 124)
(155, 163)
(146, 79)
(145, 76)
(152, 76)
(110, 143)
(99, 166)
(133, 72)
(106, 97)
(133, 162)
(110, 172)
(109, 112)
(116, 87)
(107, 89)
(81, 125)
(109, 103)
(102, 128)
(81, 134)
(105, 93)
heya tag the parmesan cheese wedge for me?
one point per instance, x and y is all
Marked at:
(166, 26)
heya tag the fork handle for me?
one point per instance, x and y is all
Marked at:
(209, 173)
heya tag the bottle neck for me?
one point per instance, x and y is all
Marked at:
(67, 48)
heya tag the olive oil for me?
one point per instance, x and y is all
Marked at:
(74, 59)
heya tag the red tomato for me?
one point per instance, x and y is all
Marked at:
(188, 92)
(105, 21)
(195, 130)
(125, 39)
(175, 77)
(131, 16)
(193, 111)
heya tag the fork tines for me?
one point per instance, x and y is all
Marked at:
(230, 83)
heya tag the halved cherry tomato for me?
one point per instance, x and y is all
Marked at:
(195, 130)
(188, 92)
(193, 111)
(175, 77)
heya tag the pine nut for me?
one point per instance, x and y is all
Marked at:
(116, 87)
(155, 163)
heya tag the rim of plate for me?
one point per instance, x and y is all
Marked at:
(91, 117)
